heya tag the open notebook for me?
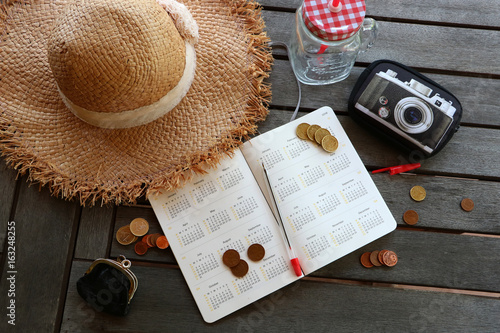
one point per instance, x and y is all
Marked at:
(328, 201)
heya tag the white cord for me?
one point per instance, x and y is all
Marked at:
(283, 45)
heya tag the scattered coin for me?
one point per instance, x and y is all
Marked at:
(124, 236)
(410, 217)
(390, 258)
(301, 131)
(139, 226)
(467, 204)
(365, 260)
(417, 193)
(162, 242)
(256, 252)
(374, 258)
(241, 269)
(231, 258)
(330, 143)
(320, 134)
(141, 248)
(311, 131)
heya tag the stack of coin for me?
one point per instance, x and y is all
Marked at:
(379, 258)
(129, 234)
(319, 135)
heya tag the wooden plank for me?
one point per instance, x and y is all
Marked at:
(471, 152)
(467, 50)
(94, 232)
(8, 185)
(45, 229)
(441, 208)
(477, 95)
(429, 259)
(164, 303)
(124, 215)
(481, 13)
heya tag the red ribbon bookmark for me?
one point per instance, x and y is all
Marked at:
(398, 169)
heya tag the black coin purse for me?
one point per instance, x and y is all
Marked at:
(406, 107)
(108, 286)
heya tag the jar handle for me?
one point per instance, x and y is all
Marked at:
(369, 32)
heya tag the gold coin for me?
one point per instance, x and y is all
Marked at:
(320, 134)
(417, 193)
(139, 226)
(311, 131)
(124, 236)
(301, 131)
(330, 143)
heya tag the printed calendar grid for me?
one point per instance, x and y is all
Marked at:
(218, 296)
(201, 192)
(316, 247)
(342, 234)
(246, 283)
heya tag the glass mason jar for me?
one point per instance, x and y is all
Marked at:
(329, 58)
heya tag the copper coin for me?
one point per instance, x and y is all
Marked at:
(418, 193)
(301, 131)
(124, 236)
(365, 260)
(139, 226)
(410, 217)
(381, 256)
(154, 238)
(241, 269)
(162, 242)
(256, 252)
(231, 258)
(140, 248)
(467, 204)
(374, 258)
(390, 258)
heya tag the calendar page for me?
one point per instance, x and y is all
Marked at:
(223, 210)
(328, 201)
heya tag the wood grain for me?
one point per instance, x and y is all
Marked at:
(471, 152)
(481, 13)
(44, 229)
(163, 303)
(93, 232)
(416, 45)
(8, 185)
(428, 259)
(477, 95)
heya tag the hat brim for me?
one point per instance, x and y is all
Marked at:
(39, 135)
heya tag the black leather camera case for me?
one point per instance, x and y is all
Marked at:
(406, 107)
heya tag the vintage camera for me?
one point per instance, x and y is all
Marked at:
(409, 109)
(401, 104)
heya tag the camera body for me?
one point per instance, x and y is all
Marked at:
(413, 112)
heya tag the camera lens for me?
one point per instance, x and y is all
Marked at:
(413, 115)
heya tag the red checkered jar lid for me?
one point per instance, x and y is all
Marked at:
(332, 26)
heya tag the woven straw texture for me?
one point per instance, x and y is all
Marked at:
(41, 137)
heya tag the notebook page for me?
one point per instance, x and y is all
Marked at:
(223, 210)
(328, 201)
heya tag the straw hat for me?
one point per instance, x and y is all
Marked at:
(108, 100)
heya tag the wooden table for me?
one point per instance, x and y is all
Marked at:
(448, 275)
